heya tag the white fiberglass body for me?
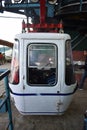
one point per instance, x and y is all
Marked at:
(42, 76)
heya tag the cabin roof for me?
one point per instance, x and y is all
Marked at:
(41, 36)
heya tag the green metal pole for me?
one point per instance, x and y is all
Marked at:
(10, 126)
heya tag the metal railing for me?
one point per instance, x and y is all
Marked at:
(6, 100)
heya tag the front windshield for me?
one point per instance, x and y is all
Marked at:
(42, 64)
(42, 56)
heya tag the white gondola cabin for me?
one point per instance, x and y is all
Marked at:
(42, 75)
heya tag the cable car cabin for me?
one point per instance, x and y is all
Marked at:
(42, 77)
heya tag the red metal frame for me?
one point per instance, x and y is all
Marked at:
(42, 26)
(42, 11)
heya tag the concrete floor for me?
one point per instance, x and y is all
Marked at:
(73, 119)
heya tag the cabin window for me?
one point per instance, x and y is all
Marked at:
(14, 79)
(42, 64)
(69, 68)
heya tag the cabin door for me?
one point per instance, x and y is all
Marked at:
(41, 77)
